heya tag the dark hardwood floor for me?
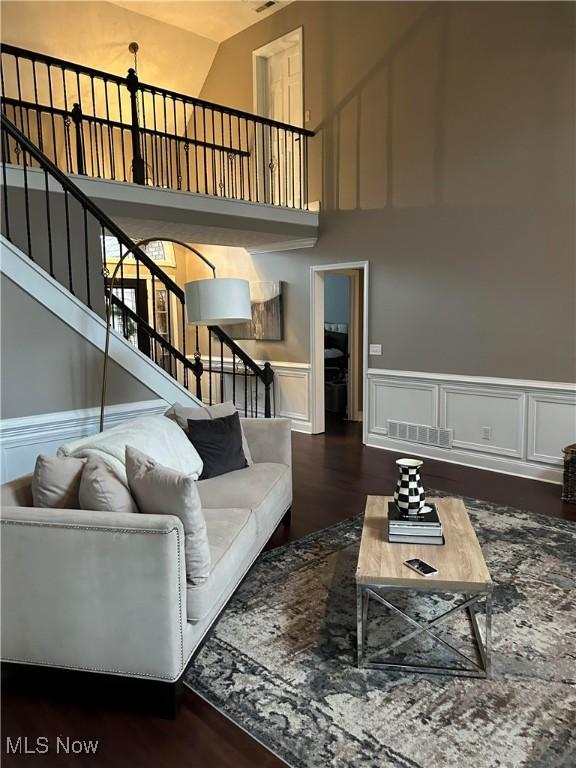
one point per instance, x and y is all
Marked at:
(332, 475)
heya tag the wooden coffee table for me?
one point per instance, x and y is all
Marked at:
(461, 570)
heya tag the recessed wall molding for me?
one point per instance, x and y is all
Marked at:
(515, 426)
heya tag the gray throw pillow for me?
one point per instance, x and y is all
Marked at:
(162, 491)
(181, 413)
(56, 482)
(102, 490)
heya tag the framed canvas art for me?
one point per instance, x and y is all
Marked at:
(266, 323)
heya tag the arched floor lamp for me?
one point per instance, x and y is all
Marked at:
(212, 301)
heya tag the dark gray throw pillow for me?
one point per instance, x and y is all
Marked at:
(219, 443)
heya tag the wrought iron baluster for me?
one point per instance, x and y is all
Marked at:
(68, 242)
(186, 148)
(5, 159)
(87, 257)
(154, 316)
(245, 391)
(110, 134)
(213, 158)
(49, 224)
(221, 371)
(195, 146)
(204, 147)
(38, 119)
(67, 144)
(248, 162)
(240, 160)
(27, 204)
(305, 173)
(209, 367)
(51, 99)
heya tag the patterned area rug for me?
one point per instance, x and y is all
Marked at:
(281, 661)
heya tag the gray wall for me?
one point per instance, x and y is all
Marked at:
(84, 269)
(47, 366)
(445, 156)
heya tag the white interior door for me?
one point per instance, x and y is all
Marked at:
(278, 72)
(284, 92)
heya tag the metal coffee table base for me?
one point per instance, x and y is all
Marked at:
(471, 604)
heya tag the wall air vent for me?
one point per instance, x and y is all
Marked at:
(420, 433)
(265, 6)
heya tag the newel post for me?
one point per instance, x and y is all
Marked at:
(138, 167)
(76, 116)
(268, 379)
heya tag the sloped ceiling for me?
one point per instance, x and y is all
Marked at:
(216, 19)
(97, 34)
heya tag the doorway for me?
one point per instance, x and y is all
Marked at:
(339, 323)
(279, 96)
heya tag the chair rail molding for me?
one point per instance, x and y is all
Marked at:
(22, 438)
(513, 426)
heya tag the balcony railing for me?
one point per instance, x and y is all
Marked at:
(109, 127)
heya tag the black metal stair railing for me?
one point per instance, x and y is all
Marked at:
(47, 216)
(99, 124)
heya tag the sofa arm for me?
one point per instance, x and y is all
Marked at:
(269, 440)
(95, 591)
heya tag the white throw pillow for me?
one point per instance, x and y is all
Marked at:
(181, 413)
(156, 436)
(56, 482)
(102, 490)
(162, 491)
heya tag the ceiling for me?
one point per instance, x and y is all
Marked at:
(214, 19)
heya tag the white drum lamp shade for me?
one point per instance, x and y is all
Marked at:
(218, 301)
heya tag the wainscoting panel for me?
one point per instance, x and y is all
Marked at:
(513, 426)
(551, 426)
(23, 438)
(402, 400)
(489, 421)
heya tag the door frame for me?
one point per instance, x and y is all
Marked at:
(317, 406)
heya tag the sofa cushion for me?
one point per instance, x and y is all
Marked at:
(56, 482)
(265, 488)
(157, 437)
(159, 490)
(232, 538)
(101, 489)
(181, 413)
(219, 443)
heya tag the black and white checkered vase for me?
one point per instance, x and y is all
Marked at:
(409, 495)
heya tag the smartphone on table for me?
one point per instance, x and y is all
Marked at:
(424, 569)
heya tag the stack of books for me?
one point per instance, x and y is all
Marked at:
(424, 528)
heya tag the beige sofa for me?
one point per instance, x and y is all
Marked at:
(107, 592)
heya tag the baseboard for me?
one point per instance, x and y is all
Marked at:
(302, 426)
(505, 466)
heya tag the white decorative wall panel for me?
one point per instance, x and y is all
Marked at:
(514, 426)
(474, 413)
(551, 426)
(401, 400)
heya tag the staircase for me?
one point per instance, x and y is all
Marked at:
(47, 217)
